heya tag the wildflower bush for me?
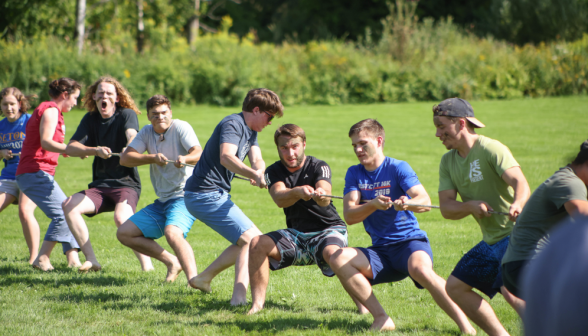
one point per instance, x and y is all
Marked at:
(438, 60)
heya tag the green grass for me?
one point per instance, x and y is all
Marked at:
(541, 133)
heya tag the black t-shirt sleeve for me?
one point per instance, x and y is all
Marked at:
(131, 120)
(272, 176)
(322, 171)
(82, 134)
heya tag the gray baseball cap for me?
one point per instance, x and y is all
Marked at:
(457, 107)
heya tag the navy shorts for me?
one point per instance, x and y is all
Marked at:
(480, 267)
(390, 262)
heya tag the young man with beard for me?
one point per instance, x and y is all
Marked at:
(488, 178)
(165, 139)
(109, 126)
(315, 230)
(207, 190)
(399, 248)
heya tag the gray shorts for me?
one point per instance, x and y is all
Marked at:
(9, 187)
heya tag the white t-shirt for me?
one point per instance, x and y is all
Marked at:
(168, 181)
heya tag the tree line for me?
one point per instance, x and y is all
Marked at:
(276, 21)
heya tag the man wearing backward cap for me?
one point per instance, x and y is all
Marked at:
(488, 178)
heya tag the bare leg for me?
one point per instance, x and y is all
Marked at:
(122, 212)
(30, 226)
(225, 260)
(353, 268)
(474, 306)
(73, 208)
(43, 262)
(73, 258)
(233, 255)
(131, 236)
(261, 248)
(516, 303)
(183, 250)
(420, 268)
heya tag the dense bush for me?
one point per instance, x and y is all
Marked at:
(438, 61)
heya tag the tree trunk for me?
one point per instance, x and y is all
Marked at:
(140, 27)
(80, 26)
(194, 25)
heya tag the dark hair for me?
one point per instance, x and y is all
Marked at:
(156, 101)
(291, 130)
(265, 99)
(582, 157)
(62, 85)
(20, 97)
(371, 126)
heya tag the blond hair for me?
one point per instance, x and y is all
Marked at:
(124, 98)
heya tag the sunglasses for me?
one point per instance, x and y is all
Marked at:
(269, 116)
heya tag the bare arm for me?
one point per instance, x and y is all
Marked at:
(47, 131)
(453, 209)
(515, 178)
(77, 149)
(255, 158)
(132, 158)
(130, 133)
(230, 161)
(354, 212)
(322, 187)
(285, 197)
(418, 195)
(577, 207)
(192, 158)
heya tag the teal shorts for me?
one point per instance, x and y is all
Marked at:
(153, 219)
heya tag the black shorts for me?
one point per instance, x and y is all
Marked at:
(511, 275)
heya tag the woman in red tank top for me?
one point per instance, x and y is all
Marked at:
(41, 148)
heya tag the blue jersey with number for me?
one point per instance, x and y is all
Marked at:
(12, 135)
(392, 178)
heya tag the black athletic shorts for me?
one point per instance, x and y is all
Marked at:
(511, 276)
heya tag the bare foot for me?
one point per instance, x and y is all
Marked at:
(74, 265)
(199, 284)
(148, 269)
(254, 309)
(43, 263)
(239, 302)
(89, 266)
(361, 309)
(471, 331)
(173, 271)
(383, 324)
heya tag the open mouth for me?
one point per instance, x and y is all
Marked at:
(104, 104)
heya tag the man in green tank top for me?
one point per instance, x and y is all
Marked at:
(488, 179)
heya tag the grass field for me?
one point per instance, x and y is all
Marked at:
(542, 134)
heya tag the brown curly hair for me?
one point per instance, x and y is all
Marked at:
(20, 97)
(124, 98)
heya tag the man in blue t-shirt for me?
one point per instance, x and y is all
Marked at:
(207, 190)
(400, 248)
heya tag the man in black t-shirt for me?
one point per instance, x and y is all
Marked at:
(109, 126)
(315, 230)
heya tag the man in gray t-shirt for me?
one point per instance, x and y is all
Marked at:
(562, 195)
(164, 140)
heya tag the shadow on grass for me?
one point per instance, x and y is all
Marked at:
(206, 303)
(10, 275)
(253, 324)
